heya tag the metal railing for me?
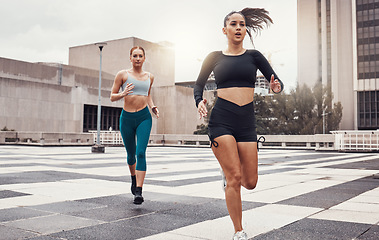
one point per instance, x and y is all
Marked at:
(311, 142)
(108, 137)
(362, 141)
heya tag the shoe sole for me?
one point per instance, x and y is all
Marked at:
(138, 200)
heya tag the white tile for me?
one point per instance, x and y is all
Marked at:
(29, 200)
(185, 176)
(363, 198)
(348, 216)
(357, 207)
(255, 222)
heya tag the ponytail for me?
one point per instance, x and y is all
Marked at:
(255, 19)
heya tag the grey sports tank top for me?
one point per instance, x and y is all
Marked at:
(140, 87)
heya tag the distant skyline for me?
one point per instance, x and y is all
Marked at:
(43, 30)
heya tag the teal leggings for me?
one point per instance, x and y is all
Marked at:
(135, 130)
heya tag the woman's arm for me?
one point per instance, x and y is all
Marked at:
(117, 83)
(150, 102)
(264, 66)
(206, 69)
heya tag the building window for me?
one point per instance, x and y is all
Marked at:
(368, 114)
(109, 118)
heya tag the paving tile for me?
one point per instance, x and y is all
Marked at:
(368, 164)
(357, 207)
(314, 229)
(331, 196)
(52, 223)
(88, 195)
(12, 214)
(10, 194)
(11, 233)
(370, 234)
(348, 216)
(67, 207)
(115, 231)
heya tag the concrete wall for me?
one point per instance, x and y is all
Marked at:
(48, 97)
(160, 58)
(308, 43)
(178, 112)
(342, 60)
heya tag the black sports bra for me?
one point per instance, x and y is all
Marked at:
(233, 71)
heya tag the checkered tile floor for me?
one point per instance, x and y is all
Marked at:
(69, 193)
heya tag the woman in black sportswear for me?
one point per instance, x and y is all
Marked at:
(232, 129)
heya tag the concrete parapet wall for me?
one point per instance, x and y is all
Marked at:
(46, 139)
(317, 141)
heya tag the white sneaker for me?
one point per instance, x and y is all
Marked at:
(241, 235)
(223, 179)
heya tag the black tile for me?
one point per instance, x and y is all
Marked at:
(113, 213)
(121, 199)
(315, 229)
(12, 214)
(120, 230)
(331, 196)
(371, 234)
(67, 207)
(10, 233)
(367, 165)
(10, 194)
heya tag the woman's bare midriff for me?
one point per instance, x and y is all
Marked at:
(135, 103)
(238, 95)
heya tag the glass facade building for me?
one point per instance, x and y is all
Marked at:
(367, 24)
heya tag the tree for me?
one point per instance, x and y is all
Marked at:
(300, 112)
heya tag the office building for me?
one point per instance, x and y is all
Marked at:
(338, 44)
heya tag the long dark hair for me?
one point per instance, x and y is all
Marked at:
(255, 18)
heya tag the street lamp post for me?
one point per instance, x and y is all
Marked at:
(98, 148)
(324, 114)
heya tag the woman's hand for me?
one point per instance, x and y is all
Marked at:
(127, 90)
(275, 85)
(202, 109)
(155, 110)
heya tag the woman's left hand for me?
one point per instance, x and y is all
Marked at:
(155, 111)
(275, 85)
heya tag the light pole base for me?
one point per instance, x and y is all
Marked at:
(98, 149)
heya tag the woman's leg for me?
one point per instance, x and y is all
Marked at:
(227, 154)
(248, 155)
(143, 135)
(128, 137)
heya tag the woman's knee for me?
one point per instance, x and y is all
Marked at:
(141, 155)
(141, 161)
(234, 180)
(250, 183)
(131, 160)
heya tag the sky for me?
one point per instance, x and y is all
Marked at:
(43, 30)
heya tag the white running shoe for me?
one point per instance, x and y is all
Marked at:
(241, 235)
(223, 179)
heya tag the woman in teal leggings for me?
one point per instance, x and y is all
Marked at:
(135, 119)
